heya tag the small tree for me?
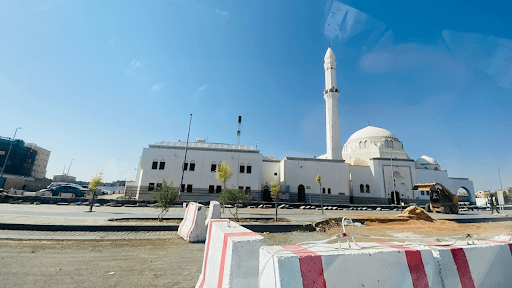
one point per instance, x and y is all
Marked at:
(165, 195)
(319, 180)
(233, 197)
(93, 186)
(274, 190)
(223, 173)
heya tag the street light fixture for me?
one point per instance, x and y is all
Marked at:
(7, 157)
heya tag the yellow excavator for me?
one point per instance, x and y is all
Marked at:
(441, 199)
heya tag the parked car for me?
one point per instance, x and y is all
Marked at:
(56, 191)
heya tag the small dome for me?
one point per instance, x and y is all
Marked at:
(329, 54)
(371, 131)
(425, 162)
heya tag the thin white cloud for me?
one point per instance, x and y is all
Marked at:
(137, 64)
(133, 62)
(222, 12)
(156, 87)
(128, 72)
(199, 91)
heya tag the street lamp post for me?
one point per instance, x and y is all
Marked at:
(8, 152)
(185, 160)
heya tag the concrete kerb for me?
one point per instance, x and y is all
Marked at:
(87, 228)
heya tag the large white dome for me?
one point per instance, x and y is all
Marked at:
(371, 131)
(426, 162)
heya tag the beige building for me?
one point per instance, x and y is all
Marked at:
(41, 161)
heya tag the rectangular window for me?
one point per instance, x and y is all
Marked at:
(151, 186)
(158, 185)
(219, 189)
(422, 192)
(189, 188)
(213, 168)
(249, 169)
(275, 174)
(247, 189)
(242, 169)
(240, 187)
(162, 166)
(211, 188)
(182, 187)
(428, 192)
(155, 165)
(185, 166)
(192, 167)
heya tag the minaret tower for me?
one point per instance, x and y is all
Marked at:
(332, 119)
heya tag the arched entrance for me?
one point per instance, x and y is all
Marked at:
(463, 194)
(301, 197)
(266, 194)
(394, 198)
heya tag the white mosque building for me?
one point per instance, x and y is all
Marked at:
(371, 168)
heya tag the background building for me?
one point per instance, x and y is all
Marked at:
(40, 162)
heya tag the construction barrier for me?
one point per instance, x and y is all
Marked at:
(213, 212)
(231, 256)
(192, 228)
(336, 265)
(485, 264)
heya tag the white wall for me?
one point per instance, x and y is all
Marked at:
(301, 171)
(363, 175)
(201, 177)
(267, 174)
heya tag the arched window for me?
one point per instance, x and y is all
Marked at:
(248, 168)
(162, 165)
(361, 145)
(366, 144)
(367, 188)
(391, 145)
(155, 164)
(213, 167)
(242, 167)
(323, 190)
(329, 191)
(361, 188)
(386, 144)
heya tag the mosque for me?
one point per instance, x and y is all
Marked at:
(372, 167)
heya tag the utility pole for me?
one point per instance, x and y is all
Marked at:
(70, 166)
(7, 157)
(185, 160)
(499, 174)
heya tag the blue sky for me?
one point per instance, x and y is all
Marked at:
(97, 81)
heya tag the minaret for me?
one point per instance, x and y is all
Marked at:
(332, 119)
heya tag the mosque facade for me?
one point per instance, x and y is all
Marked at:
(372, 167)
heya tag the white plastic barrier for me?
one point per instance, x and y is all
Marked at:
(335, 265)
(504, 237)
(213, 212)
(485, 264)
(230, 256)
(192, 228)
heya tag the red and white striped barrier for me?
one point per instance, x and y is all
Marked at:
(335, 265)
(192, 228)
(486, 264)
(504, 237)
(230, 256)
(213, 212)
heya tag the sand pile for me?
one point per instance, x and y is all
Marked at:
(416, 213)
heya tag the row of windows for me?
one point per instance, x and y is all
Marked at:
(151, 187)
(362, 188)
(328, 190)
(192, 167)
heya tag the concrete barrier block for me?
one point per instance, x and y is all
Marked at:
(213, 212)
(231, 256)
(504, 237)
(192, 228)
(485, 264)
(336, 265)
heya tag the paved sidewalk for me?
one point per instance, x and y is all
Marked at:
(79, 235)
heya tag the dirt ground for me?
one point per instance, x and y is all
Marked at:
(175, 263)
(135, 263)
